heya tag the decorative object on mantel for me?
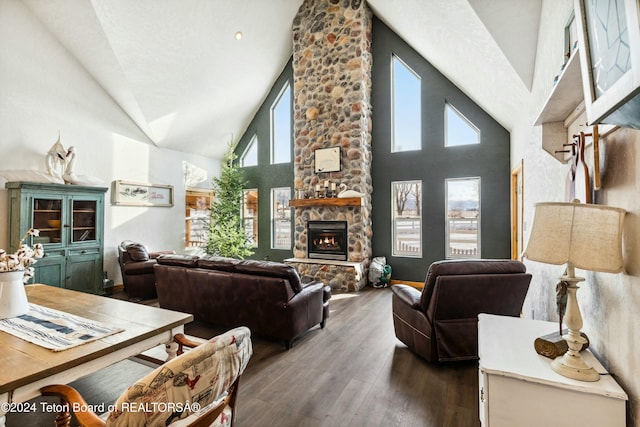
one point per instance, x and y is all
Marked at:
(344, 193)
(581, 235)
(325, 190)
(331, 201)
(15, 270)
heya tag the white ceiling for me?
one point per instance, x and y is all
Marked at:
(176, 69)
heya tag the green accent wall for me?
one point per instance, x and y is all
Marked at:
(489, 160)
(266, 176)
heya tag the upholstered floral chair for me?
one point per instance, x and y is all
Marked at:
(197, 388)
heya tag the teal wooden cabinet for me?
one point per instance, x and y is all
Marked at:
(71, 223)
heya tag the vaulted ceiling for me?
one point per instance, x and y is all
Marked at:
(177, 70)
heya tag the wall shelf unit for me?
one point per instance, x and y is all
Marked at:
(564, 101)
(332, 201)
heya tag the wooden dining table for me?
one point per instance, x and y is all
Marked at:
(26, 367)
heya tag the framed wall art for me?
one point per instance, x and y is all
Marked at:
(126, 193)
(327, 159)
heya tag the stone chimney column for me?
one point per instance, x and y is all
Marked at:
(332, 108)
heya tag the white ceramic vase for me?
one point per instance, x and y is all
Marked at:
(13, 298)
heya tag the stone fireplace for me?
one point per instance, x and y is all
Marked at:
(332, 108)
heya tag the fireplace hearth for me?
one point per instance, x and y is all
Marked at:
(327, 240)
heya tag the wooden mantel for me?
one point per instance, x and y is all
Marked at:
(332, 201)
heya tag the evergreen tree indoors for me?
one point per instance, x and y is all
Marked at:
(226, 233)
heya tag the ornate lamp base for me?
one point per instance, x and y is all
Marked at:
(571, 364)
(574, 367)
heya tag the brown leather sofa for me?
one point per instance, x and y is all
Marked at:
(267, 297)
(136, 266)
(441, 322)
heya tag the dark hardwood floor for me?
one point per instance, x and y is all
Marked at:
(352, 373)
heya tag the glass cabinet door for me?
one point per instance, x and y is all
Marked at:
(47, 217)
(83, 220)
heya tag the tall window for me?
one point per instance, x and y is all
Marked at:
(250, 216)
(405, 108)
(280, 218)
(250, 155)
(458, 129)
(281, 127)
(407, 218)
(463, 218)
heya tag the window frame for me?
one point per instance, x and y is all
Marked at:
(395, 252)
(447, 228)
(272, 128)
(254, 219)
(395, 58)
(449, 106)
(253, 142)
(273, 219)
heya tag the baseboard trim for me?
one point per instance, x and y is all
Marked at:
(417, 285)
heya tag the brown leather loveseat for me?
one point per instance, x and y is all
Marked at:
(267, 297)
(441, 322)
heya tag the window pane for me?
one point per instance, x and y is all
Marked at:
(608, 39)
(407, 218)
(406, 114)
(250, 155)
(280, 218)
(250, 216)
(281, 127)
(458, 129)
(463, 218)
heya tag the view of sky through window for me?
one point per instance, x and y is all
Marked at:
(281, 127)
(406, 109)
(459, 130)
(250, 155)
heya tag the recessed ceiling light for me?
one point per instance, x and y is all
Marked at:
(238, 35)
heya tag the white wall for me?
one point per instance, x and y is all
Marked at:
(45, 91)
(610, 303)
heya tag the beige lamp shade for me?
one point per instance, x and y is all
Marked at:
(585, 235)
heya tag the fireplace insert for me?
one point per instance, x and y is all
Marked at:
(327, 240)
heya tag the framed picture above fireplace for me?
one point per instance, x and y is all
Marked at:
(327, 159)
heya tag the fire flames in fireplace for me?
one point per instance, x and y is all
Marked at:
(326, 243)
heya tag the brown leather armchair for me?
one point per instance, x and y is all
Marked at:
(441, 322)
(136, 265)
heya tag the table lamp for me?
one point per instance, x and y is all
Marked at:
(581, 235)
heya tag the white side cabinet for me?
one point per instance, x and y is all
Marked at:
(519, 388)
